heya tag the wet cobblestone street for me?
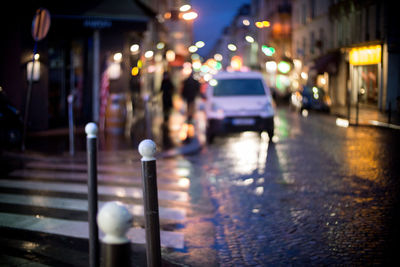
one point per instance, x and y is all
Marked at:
(320, 195)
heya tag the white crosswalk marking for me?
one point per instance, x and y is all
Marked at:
(82, 205)
(103, 190)
(80, 229)
(54, 185)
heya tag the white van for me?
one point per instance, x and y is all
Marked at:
(239, 101)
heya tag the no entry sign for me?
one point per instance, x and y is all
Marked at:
(40, 24)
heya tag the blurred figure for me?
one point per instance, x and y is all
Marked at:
(191, 88)
(167, 90)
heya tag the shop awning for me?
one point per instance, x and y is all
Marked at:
(327, 63)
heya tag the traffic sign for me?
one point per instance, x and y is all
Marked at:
(40, 24)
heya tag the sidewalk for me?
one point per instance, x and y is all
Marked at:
(168, 138)
(368, 116)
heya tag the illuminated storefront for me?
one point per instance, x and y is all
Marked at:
(366, 75)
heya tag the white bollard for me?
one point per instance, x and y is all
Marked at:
(114, 219)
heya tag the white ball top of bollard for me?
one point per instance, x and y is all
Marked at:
(114, 219)
(147, 148)
(91, 130)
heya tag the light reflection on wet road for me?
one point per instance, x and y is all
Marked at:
(321, 194)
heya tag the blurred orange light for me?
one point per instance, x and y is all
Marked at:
(167, 15)
(236, 62)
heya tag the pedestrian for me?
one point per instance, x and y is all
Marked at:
(190, 90)
(167, 90)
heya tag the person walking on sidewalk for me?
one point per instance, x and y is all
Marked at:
(190, 90)
(167, 90)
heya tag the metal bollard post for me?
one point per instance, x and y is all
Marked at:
(71, 124)
(147, 149)
(114, 220)
(91, 132)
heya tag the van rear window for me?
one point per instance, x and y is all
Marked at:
(239, 87)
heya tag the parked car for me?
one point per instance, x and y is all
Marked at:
(238, 101)
(310, 98)
(10, 124)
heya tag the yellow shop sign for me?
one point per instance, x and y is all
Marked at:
(365, 55)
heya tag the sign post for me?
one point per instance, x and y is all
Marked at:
(40, 28)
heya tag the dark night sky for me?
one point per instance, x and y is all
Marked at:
(214, 15)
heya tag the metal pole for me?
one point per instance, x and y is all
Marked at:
(147, 149)
(71, 124)
(114, 220)
(28, 99)
(91, 132)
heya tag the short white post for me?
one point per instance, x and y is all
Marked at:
(114, 219)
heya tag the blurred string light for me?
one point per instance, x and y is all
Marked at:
(246, 22)
(284, 67)
(193, 48)
(148, 54)
(170, 55)
(135, 71)
(270, 66)
(117, 57)
(185, 8)
(304, 75)
(262, 24)
(236, 62)
(160, 45)
(200, 44)
(232, 47)
(213, 82)
(249, 39)
(218, 57)
(134, 48)
(189, 15)
(268, 51)
(195, 56)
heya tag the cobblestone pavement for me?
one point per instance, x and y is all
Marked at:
(320, 195)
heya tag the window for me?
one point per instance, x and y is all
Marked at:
(239, 87)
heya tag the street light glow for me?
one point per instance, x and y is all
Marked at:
(148, 54)
(192, 48)
(218, 57)
(134, 48)
(189, 15)
(185, 8)
(249, 39)
(232, 47)
(117, 57)
(200, 44)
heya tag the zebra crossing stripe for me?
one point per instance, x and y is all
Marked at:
(119, 191)
(80, 176)
(80, 229)
(82, 205)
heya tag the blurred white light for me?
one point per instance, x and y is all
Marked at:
(200, 44)
(117, 57)
(207, 77)
(304, 113)
(246, 22)
(196, 65)
(190, 15)
(342, 122)
(232, 47)
(249, 39)
(193, 48)
(148, 54)
(218, 57)
(37, 56)
(213, 82)
(270, 66)
(185, 8)
(304, 75)
(134, 48)
(160, 45)
(170, 55)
